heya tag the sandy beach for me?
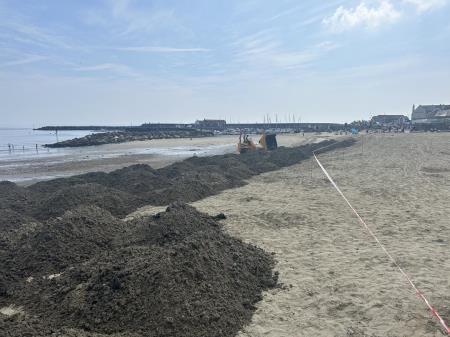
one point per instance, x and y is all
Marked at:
(289, 258)
(72, 266)
(230, 168)
(156, 153)
(336, 280)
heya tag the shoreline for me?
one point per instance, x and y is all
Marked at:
(156, 153)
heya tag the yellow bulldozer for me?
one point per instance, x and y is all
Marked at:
(267, 142)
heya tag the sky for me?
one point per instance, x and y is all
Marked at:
(123, 62)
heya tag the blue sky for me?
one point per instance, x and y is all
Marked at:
(132, 61)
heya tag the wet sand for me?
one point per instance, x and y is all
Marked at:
(337, 281)
(156, 153)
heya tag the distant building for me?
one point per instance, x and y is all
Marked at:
(215, 124)
(436, 115)
(390, 120)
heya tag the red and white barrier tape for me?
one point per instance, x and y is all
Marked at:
(419, 293)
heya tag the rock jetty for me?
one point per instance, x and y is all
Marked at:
(128, 136)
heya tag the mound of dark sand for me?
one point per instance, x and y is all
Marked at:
(117, 202)
(61, 242)
(12, 226)
(11, 220)
(124, 190)
(16, 198)
(176, 274)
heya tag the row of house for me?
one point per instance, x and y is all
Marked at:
(398, 121)
(213, 124)
(422, 117)
(437, 115)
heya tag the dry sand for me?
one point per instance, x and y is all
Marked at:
(338, 282)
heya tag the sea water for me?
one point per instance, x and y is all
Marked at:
(19, 162)
(22, 143)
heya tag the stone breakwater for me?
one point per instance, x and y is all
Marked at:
(128, 136)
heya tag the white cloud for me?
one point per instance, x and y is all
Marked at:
(426, 5)
(131, 17)
(326, 46)
(362, 16)
(38, 35)
(284, 13)
(156, 49)
(27, 60)
(103, 66)
(263, 50)
(119, 69)
(297, 59)
(19, 28)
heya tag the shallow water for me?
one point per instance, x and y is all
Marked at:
(30, 165)
(26, 162)
(28, 143)
(19, 145)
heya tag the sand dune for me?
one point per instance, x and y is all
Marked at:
(337, 281)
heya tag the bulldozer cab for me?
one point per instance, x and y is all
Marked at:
(268, 142)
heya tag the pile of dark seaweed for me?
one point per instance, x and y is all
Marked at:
(72, 267)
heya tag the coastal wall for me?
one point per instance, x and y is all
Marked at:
(176, 126)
